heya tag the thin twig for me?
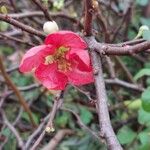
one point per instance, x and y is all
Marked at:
(13, 130)
(57, 138)
(36, 132)
(22, 26)
(49, 125)
(16, 91)
(125, 69)
(6, 37)
(81, 124)
(43, 8)
(124, 84)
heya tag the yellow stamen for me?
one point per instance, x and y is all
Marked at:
(49, 59)
(60, 59)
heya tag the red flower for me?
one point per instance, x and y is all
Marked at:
(61, 60)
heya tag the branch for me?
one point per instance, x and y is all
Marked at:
(104, 119)
(36, 132)
(43, 8)
(106, 49)
(13, 130)
(40, 14)
(124, 84)
(49, 126)
(6, 37)
(81, 124)
(88, 18)
(22, 26)
(125, 69)
(16, 91)
(57, 138)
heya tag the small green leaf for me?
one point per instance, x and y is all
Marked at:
(4, 10)
(144, 117)
(126, 135)
(25, 116)
(145, 21)
(142, 2)
(144, 147)
(62, 120)
(3, 26)
(146, 99)
(6, 132)
(144, 137)
(146, 35)
(58, 4)
(143, 29)
(45, 2)
(86, 115)
(133, 104)
(141, 73)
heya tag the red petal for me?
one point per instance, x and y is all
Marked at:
(65, 38)
(78, 77)
(50, 77)
(35, 56)
(81, 58)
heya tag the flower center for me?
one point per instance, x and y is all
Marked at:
(60, 58)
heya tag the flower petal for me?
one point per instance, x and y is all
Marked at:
(78, 77)
(81, 58)
(50, 77)
(65, 38)
(35, 56)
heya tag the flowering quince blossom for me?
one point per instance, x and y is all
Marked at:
(62, 59)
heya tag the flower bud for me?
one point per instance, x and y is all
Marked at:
(50, 27)
(95, 4)
(141, 31)
(49, 129)
(144, 28)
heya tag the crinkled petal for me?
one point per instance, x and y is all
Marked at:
(50, 77)
(35, 56)
(81, 58)
(67, 39)
(78, 77)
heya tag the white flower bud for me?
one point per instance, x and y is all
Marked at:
(141, 31)
(50, 27)
(49, 129)
(144, 28)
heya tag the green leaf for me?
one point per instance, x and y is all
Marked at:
(6, 50)
(144, 137)
(142, 2)
(144, 117)
(6, 132)
(146, 35)
(4, 10)
(85, 115)
(25, 116)
(62, 119)
(126, 135)
(147, 65)
(145, 21)
(144, 147)
(58, 4)
(146, 99)
(133, 104)
(141, 73)
(45, 2)
(3, 26)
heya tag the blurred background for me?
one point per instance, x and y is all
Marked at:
(76, 124)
